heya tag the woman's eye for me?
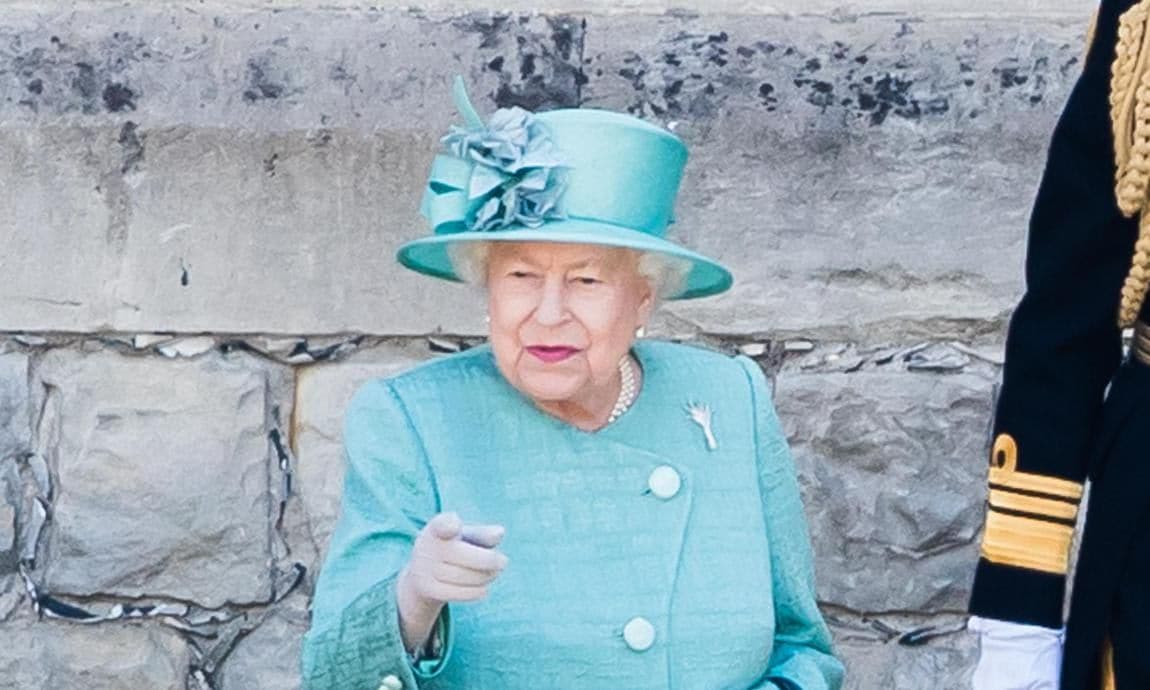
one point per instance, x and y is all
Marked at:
(519, 274)
(586, 280)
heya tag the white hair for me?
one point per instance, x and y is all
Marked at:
(667, 275)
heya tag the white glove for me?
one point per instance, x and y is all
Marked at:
(449, 562)
(1015, 656)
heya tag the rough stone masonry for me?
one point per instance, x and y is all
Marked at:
(200, 202)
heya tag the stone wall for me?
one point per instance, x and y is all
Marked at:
(201, 201)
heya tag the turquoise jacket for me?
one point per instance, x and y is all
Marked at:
(599, 534)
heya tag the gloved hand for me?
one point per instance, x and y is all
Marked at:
(1015, 656)
(449, 562)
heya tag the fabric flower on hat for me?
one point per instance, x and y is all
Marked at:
(519, 173)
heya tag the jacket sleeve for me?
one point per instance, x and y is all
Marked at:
(388, 495)
(802, 655)
(1062, 349)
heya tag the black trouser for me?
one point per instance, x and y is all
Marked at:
(1121, 493)
(1130, 617)
(1111, 597)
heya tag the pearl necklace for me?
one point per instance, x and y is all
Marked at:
(626, 391)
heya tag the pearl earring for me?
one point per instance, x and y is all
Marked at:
(640, 332)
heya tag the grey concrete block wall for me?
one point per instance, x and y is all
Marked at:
(887, 464)
(201, 205)
(62, 655)
(167, 480)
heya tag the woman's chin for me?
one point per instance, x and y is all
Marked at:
(550, 388)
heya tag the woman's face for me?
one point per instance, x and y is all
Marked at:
(563, 315)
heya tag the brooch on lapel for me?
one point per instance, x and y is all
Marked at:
(701, 415)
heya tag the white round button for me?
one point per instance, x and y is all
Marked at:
(391, 683)
(639, 634)
(664, 482)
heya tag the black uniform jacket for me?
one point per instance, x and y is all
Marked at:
(1066, 396)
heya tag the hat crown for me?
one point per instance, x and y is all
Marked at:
(623, 171)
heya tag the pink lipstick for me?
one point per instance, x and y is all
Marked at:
(551, 353)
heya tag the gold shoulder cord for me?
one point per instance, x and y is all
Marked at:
(1130, 118)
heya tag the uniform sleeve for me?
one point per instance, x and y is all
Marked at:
(389, 494)
(1063, 347)
(802, 655)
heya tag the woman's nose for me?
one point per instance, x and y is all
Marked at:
(552, 303)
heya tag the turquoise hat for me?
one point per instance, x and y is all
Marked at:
(574, 175)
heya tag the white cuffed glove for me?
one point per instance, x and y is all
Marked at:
(1016, 656)
(449, 562)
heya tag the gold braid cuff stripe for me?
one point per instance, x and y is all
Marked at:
(1028, 543)
(1003, 472)
(1142, 342)
(1039, 507)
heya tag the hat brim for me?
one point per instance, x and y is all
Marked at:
(707, 277)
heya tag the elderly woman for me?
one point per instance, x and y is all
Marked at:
(568, 506)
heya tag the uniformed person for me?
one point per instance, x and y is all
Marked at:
(1072, 406)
